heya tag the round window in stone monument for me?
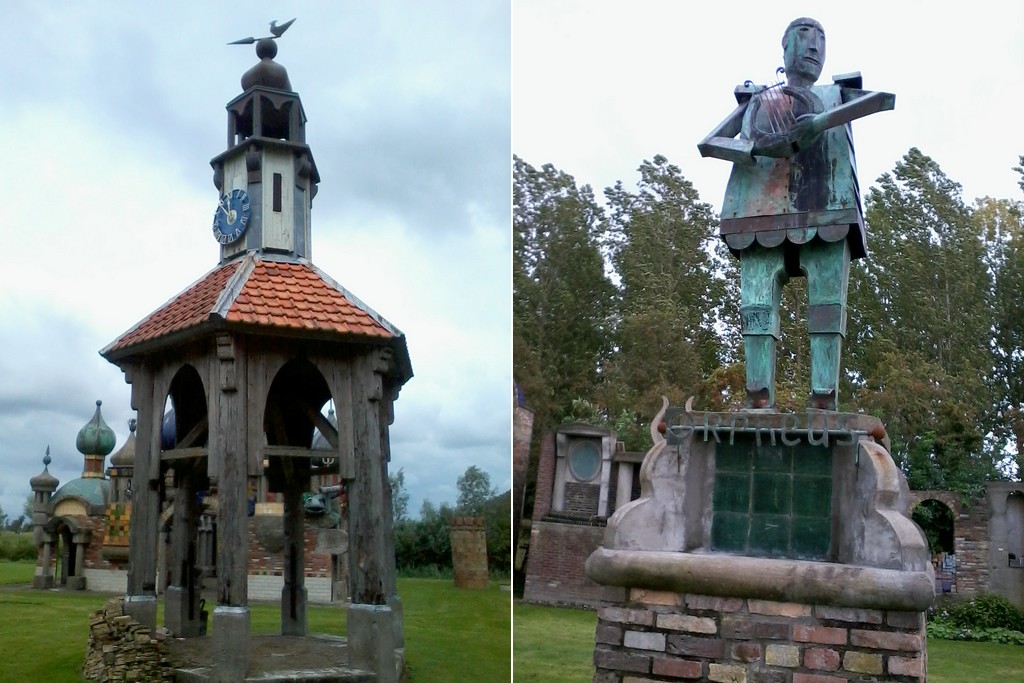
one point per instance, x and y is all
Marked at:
(585, 460)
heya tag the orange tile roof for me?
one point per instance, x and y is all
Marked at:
(188, 309)
(296, 296)
(286, 295)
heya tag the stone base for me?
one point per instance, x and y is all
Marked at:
(680, 637)
(76, 583)
(141, 608)
(230, 640)
(371, 641)
(42, 581)
(176, 617)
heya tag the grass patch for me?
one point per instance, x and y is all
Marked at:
(16, 572)
(556, 645)
(553, 644)
(451, 634)
(954, 661)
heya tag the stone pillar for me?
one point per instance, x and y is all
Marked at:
(79, 543)
(293, 594)
(469, 552)
(45, 578)
(624, 489)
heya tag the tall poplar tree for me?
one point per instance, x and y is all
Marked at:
(563, 301)
(921, 324)
(673, 290)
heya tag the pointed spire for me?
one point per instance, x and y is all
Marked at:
(44, 481)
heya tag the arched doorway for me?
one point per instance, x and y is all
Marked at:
(936, 520)
(184, 437)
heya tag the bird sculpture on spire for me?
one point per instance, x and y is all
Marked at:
(275, 30)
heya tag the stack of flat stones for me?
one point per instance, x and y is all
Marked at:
(122, 649)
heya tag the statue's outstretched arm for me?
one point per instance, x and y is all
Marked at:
(722, 143)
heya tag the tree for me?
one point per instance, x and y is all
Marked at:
(676, 291)
(474, 491)
(562, 299)
(1001, 223)
(399, 496)
(918, 353)
(3, 518)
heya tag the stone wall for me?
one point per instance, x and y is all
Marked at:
(121, 649)
(469, 552)
(657, 636)
(555, 572)
(268, 587)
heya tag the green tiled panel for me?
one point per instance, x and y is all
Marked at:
(773, 493)
(811, 536)
(733, 458)
(769, 535)
(809, 459)
(732, 493)
(729, 532)
(772, 501)
(812, 496)
(775, 459)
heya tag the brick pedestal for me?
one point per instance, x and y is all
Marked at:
(662, 636)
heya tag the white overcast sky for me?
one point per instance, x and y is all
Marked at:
(600, 86)
(110, 114)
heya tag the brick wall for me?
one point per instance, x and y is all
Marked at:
(545, 476)
(262, 561)
(554, 570)
(673, 637)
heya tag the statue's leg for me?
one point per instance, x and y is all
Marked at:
(762, 274)
(827, 265)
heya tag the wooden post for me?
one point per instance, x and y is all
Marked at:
(371, 620)
(140, 602)
(181, 601)
(230, 452)
(293, 594)
(366, 531)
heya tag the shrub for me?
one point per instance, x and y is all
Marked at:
(15, 547)
(987, 617)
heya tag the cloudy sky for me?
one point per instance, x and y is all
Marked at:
(600, 86)
(111, 113)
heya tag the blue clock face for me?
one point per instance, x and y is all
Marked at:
(232, 216)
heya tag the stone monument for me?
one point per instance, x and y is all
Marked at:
(765, 546)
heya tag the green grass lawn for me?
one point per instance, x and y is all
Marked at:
(556, 645)
(451, 634)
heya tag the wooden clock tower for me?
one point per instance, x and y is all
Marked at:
(248, 355)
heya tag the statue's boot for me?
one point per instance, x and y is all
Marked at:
(825, 353)
(759, 351)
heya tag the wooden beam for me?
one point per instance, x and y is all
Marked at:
(194, 434)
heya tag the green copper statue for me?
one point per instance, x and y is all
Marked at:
(792, 206)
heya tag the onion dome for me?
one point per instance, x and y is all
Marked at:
(44, 481)
(267, 73)
(125, 456)
(96, 438)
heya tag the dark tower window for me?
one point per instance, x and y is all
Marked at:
(277, 192)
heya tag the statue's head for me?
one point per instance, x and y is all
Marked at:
(803, 46)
